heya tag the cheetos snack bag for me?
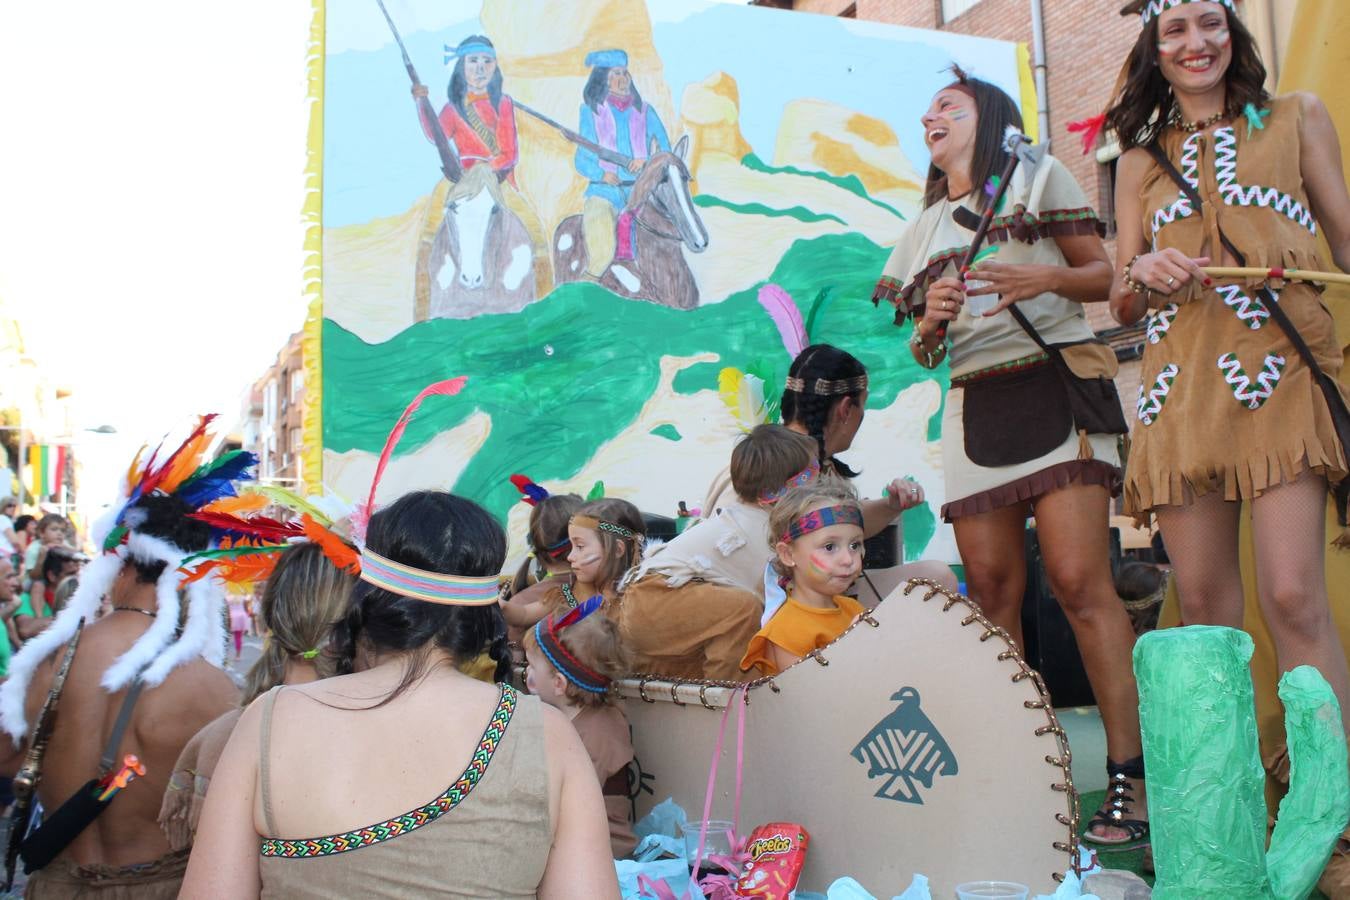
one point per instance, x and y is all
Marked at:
(777, 853)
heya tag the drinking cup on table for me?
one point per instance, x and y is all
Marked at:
(992, 890)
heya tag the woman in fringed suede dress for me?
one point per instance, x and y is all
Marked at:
(1229, 409)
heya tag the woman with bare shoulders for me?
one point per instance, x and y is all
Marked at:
(447, 785)
(1230, 410)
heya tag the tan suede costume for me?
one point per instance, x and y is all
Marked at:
(487, 835)
(1225, 402)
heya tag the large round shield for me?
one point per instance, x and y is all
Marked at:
(918, 742)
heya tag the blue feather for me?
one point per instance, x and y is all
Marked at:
(216, 478)
(582, 611)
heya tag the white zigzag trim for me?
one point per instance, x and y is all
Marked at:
(1190, 172)
(1160, 321)
(1248, 309)
(1236, 194)
(1149, 405)
(1241, 384)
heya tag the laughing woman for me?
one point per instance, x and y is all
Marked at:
(1216, 170)
(1032, 421)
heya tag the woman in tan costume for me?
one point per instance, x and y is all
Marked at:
(1229, 409)
(409, 778)
(1013, 443)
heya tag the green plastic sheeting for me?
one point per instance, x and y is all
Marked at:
(1205, 781)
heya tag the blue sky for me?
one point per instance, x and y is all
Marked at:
(377, 163)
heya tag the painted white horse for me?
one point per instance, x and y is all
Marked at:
(481, 259)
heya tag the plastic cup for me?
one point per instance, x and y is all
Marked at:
(979, 304)
(717, 843)
(992, 890)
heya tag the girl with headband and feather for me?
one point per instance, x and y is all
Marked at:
(524, 602)
(499, 796)
(150, 639)
(573, 659)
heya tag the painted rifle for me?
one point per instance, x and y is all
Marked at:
(608, 155)
(450, 166)
(30, 773)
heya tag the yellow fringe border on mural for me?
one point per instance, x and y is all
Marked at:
(1031, 104)
(312, 215)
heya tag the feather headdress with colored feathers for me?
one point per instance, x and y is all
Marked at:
(190, 476)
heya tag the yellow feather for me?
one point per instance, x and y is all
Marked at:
(290, 500)
(743, 395)
(134, 471)
(237, 506)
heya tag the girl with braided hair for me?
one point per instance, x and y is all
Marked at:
(825, 398)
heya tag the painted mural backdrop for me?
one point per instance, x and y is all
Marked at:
(616, 218)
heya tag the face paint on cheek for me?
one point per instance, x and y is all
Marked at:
(957, 115)
(818, 566)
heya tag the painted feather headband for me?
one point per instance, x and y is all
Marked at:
(548, 634)
(400, 578)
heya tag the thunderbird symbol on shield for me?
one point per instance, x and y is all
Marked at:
(906, 749)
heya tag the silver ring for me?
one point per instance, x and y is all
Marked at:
(1171, 281)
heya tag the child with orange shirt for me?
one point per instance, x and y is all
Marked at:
(816, 532)
(573, 659)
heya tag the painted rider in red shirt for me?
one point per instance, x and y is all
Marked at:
(479, 118)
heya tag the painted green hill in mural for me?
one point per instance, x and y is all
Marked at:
(570, 372)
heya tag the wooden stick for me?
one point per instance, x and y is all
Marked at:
(1296, 274)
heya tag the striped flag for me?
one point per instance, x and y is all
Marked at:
(42, 466)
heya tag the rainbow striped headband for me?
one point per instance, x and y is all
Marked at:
(546, 634)
(824, 517)
(595, 524)
(805, 476)
(1155, 8)
(433, 587)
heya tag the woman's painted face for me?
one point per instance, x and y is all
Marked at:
(587, 553)
(478, 70)
(949, 129)
(1195, 46)
(620, 82)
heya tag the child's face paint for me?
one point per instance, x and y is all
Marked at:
(825, 562)
(586, 554)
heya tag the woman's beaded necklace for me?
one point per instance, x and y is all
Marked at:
(1192, 127)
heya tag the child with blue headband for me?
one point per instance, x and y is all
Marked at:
(573, 659)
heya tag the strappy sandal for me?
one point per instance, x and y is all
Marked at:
(1119, 802)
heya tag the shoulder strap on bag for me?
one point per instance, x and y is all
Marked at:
(109, 758)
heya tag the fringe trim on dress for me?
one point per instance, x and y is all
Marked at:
(1035, 485)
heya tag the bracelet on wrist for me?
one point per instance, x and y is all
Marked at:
(929, 359)
(1137, 286)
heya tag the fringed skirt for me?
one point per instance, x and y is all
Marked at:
(972, 489)
(1226, 404)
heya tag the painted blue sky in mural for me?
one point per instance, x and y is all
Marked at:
(377, 162)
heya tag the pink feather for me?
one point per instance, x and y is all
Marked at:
(361, 517)
(778, 304)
